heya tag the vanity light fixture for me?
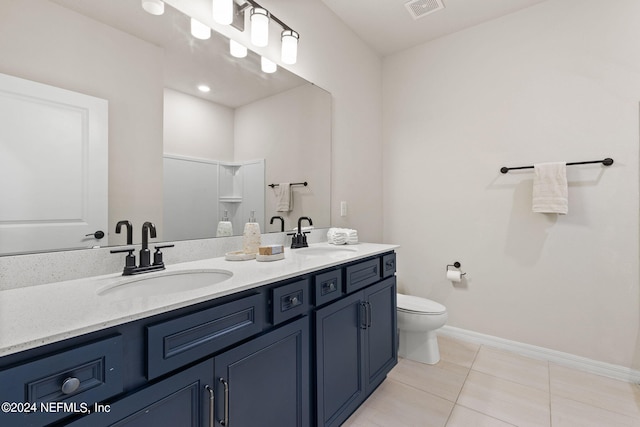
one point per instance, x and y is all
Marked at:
(289, 46)
(267, 65)
(236, 49)
(223, 11)
(260, 19)
(154, 7)
(259, 26)
(199, 30)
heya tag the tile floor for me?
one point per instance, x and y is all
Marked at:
(480, 386)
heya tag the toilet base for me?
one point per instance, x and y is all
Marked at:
(419, 346)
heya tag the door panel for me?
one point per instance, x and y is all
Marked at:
(53, 167)
(381, 354)
(267, 380)
(339, 346)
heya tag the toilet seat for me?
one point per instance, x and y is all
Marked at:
(417, 305)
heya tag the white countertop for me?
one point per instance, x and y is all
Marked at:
(38, 315)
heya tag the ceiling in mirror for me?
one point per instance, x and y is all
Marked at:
(190, 62)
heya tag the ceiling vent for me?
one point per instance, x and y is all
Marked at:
(419, 8)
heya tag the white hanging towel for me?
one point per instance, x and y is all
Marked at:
(283, 197)
(550, 190)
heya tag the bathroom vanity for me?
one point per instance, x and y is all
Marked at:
(298, 342)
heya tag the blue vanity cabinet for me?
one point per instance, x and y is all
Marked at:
(355, 340)
(184, 399)
(381, 353)
(339, 336)
(266, 381)
(302, 352)
(263, 382)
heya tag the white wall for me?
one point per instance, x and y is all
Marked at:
(198, 128)
(290, 131)
(558, 81)
(334, 58)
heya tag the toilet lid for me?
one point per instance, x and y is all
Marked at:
(415, 304)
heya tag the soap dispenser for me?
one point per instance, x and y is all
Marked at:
(225, 228)
(251, 236)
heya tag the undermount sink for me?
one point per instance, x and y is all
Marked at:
(326, 250)
(164, 283)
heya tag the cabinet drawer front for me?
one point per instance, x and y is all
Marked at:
(82, 375)
(290, 300)
(180, 341)
(363, 274)
(388, 265)
(327, 286)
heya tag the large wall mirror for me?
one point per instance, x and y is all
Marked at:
(171, 154)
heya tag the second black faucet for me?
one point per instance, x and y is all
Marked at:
(299, 240)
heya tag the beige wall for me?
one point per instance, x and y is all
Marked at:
(290, 131)
(558, 81)
(43, 42)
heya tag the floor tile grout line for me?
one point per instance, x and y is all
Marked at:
(582, 402)
(463, 383)
(486, 415)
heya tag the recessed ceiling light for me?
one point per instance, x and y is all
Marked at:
(204, 88)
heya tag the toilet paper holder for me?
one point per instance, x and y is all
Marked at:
(456, 265)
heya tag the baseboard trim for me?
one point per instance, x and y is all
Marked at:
(577, 362)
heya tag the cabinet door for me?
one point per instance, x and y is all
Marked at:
(265, 382)
(380, 340)
(339, 352)
(181, 400)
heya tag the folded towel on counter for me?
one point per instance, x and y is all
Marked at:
(283, 197)
(550, 189)
(307, 228)
(342, 236)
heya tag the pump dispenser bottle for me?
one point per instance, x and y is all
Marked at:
(251, 236)
(225, 228)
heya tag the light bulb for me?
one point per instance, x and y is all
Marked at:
(204, 88)
(154, 7)
(290, 46)
(267, 65)
(223, 11)
(199, 30)
(236, 49)
(259, 26)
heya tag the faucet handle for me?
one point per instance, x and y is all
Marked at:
(158, 247)
(157, 255)
(129, 260)
(121, 251)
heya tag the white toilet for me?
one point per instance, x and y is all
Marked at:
(418, 319)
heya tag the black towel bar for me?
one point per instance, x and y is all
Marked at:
(607, 162)
(294, 183)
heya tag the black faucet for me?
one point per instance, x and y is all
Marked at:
(299, 240)
(130, 268)
(129, 230)
(148, 230)
(281, 222)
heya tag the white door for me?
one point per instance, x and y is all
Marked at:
(53, 167)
